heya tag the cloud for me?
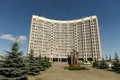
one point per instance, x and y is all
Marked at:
(22, 38)
(7, 36)
(12, 38)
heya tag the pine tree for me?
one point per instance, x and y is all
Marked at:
(46, 60)
(95, 64)
(110, 58)
(103, 64)
(33, 66)
(39, 59)
(116, 63)
(41, 63)
(106, 57)
(13, 67)
(116, 57)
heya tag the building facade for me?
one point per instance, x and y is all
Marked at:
(55, 39)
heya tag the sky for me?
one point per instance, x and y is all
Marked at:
(15, 18)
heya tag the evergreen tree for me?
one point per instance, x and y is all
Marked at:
(95, 64)
(110, 58)
(39, 58)
(116, 63)
(33, 67)
(13, 67)
(103, 64)
(40, 63)
(45, 63)
(106, 57)
(46, 60)
(116, 58)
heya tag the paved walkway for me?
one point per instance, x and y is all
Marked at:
(57, 72)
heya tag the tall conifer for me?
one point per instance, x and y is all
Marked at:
(33, 66)
(13, 67)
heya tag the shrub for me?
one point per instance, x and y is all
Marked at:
(116, 66)
(95, 64)
(116, 63)
(76, 68)
(103, 64)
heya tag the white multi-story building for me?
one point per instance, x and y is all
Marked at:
(55, 39)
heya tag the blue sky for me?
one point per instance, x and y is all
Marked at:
(15, 18)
